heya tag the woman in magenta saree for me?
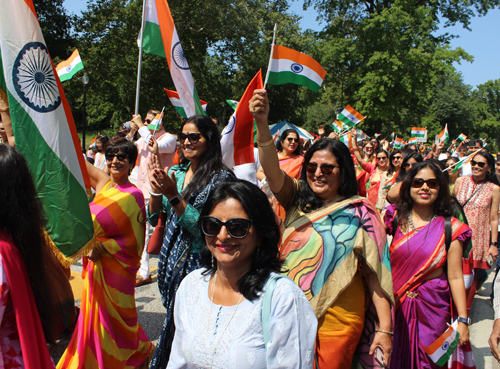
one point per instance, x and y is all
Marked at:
(427, 277)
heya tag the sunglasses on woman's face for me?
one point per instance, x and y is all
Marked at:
(236, 227)
(408, 165)
(326, 169)
(369, 148)
(292, 139)
(397, 158)
(192, 137)
(120, 157)
(419, 182)
(481, 164)
(381, 157)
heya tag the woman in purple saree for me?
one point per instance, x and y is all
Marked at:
(427, 277)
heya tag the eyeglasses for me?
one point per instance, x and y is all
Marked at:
(397, 158)
(419, 182)
(292, 139)
(326, 169)
(368, 148)
(236, 227)
(481, 164)
(382, 158)
(374, 142)
(408, 165)
(192, 137)
(147, 120)
(119, 156)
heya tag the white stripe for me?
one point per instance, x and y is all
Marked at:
(73, 64)
(151, 13)
(53, 125)
(285, 65)
(175, 102)
(346, 113)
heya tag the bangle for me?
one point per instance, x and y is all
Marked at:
(155, 194)
(386, 332)
(4, 110)
(265, 144)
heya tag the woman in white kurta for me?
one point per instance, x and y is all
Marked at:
(218, 310)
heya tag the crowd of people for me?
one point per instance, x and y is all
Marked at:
(318, 255)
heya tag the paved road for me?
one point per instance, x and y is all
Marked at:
(151, 317)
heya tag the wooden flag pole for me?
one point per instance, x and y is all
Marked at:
(270, 56)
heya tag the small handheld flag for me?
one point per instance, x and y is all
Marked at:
(419, 133)
(338, 126)
(350, 116)
(462, 137)
(233, 103)
(68, 68)
(376, 135)
(156, 123)
(441, 349)
(444, 136)
(173, 96)
(398, 143)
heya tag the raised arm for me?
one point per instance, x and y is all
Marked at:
(259, 107)
(493, 250)
(356, 147)
(97, 177)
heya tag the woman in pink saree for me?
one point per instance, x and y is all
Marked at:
(427, 273)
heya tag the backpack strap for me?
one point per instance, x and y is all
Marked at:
(395, 224)
(267, 304)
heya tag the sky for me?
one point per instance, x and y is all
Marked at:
(483, 42)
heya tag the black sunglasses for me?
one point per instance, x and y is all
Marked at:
(147, 121)
(397, 158)
(119, 156)
(236, 227)
(481, 164)
(292, 139)
(326, 169)
(381, 157)
(408, 165)
(192, 137)
(419, 182)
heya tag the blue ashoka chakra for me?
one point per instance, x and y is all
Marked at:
(34, 78)
(297, 68)
(445, 346)
(179, 57)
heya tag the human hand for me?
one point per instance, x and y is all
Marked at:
(440, 147)
(259, 105)
(463, 330)
(334, 135)
(321, 130)
(382, 340)
(154, 163)
(385, 145)
(494, 340)
(493, 251)
(93, 255)
(4, 104)
(136, 122)
(153, 146)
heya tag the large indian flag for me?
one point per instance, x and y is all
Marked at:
(290, 66)
(44, 130)
(68, 68)
(160, 38)
(176, 102)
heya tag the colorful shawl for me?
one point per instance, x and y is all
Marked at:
(33, 346)
(291, 166)
(107, 333)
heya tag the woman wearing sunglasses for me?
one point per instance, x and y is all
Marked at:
(453, 175)
(389, 178)
(410, 158)
(108, 334)
(332, 238)
(479, 196)
(181, 194)
(219, 313)
(426, 272)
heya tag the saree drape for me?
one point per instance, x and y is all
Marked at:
(107, 334)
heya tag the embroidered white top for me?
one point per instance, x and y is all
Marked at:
(199, 343)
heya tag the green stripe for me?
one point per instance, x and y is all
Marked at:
(180, 110)
(73, 71)
(152, 43)
(446, 356)
(197, 104)
(346, 120)
(290, 77)
(63, 198)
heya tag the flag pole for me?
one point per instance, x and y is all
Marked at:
(464, 159)
(270, 56)
(138, 88)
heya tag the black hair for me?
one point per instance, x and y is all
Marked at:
(266, 257)
(118, 135)
(444, 202)
(306, 199)
(104, 140)
(284, 135)
(379, 147)
(125, 146)
(407, 155)
(491, 176)
(211, 162)
(392, 168)
(21, 216)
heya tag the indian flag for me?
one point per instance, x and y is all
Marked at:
(68, 68)
(462, 137)
(156, 123)
(237, 138)
(347, 140)
(399, 143)
(160, 38)
(290, 66)
(45, 131)
(444, 136)
(412, 140)
(338, 126)
(441, 350)
(392, 135)
(418, 132)
(390, 182)
(233, 103)
(466, 160)
(176, 102)
(376, 135)
(350, 116)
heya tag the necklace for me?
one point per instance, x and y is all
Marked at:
(216, 345)
(412, 225)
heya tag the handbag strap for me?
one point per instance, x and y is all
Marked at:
(473, 194)
(267, 304)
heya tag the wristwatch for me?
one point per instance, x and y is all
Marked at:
(464, 320)
(174, 200)
(494, 244)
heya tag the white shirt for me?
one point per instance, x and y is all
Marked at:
(231, 337)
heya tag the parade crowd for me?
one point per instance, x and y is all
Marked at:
(319, 254)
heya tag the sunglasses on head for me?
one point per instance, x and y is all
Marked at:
(192, 137)
(236, 227)
(326, 169)
(120, 156)
(481, 164)
(419, 182)
(292, 139)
